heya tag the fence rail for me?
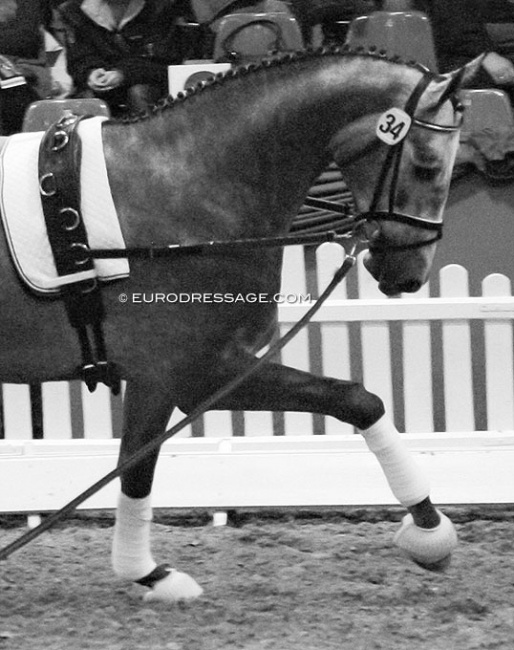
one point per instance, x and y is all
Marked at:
(442, 361)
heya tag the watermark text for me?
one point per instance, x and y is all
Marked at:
(161, 297)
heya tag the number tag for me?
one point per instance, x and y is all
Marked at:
(393, 126)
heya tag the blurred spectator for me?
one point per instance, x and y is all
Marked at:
(333, 16)
(207, 11)
(22, 43)
(119, 50)
(330, 15)
(460, 29)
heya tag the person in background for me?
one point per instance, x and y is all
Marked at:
(460, 30)
(330, 15)
(333, 16)
(119, 50)
(24, 73)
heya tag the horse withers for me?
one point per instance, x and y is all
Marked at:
(235, 159)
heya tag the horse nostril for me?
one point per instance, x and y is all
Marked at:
(410, 286)
(389, 290)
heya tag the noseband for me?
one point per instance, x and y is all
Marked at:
(393, 159)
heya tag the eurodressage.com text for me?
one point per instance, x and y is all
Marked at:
(214, 298)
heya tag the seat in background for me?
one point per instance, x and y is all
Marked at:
(43, 113)
(397, 5)
(207, 12)
(247, 37)
(486, 108)
(407, 34)
(487, 135)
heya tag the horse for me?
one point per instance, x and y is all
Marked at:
(234, 159)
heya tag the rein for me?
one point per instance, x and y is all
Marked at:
(344, 232)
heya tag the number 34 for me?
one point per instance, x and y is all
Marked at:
(393, 126)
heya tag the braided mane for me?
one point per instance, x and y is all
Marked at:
(271, 62)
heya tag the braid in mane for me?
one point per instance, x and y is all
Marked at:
(271, 62)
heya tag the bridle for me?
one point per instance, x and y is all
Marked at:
(392, 160)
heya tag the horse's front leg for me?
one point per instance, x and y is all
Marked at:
(147, 409)
(427, 535)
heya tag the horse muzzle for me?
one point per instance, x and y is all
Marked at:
(387, 283)
(409, 286)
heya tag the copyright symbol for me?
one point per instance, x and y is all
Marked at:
(123, 297)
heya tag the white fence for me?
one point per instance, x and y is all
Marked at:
(443, 365)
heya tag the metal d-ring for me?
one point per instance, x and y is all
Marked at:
(73, 222)
(93, 284)
(61, 139)
(84, 248)
(43, 179)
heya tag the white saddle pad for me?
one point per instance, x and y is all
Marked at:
(22, 213)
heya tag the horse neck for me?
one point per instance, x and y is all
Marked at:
(253, 145)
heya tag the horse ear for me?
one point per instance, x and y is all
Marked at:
(471, 70)
(453, 81)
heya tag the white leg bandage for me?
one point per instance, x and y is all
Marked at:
(406, 479)
(131, 556)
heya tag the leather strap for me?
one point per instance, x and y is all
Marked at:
(59, 185)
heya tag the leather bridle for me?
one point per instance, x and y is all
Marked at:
(392, 161)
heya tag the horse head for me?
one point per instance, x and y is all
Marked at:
(401, 191)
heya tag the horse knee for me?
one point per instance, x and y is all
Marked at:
(360, 407)
(188, 404)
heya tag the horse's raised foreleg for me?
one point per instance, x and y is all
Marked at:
(147, 409)
(426, 534)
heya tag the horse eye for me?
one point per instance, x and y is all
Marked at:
(458, 105)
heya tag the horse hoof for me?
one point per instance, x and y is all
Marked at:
(429, 548)
(176, 587)
(436, 567)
